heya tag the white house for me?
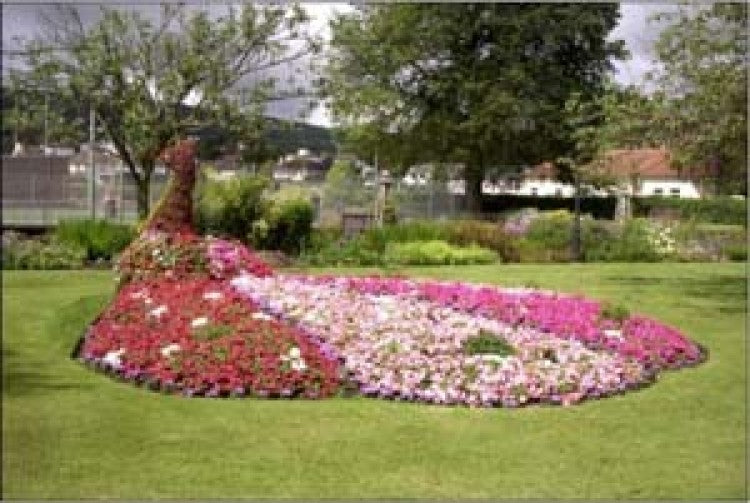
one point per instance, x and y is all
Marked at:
(639, 172)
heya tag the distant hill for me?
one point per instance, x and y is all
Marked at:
(290, 137)
(282, 137)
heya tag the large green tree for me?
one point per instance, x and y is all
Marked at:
(483, 85)
(153, 81)
(703, 61)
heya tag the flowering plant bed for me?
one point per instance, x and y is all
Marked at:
(418, 341)
(186, 255)
(208, 317)
(199, 337)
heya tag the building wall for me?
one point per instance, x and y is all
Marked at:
(545, 188)
(669, 188)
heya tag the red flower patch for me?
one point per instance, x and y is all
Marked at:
(199, 337)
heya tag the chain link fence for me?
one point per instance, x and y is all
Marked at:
(39, 190)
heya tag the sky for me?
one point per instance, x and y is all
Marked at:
(634, 28)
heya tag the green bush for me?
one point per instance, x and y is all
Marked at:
(230, 208)
(633, 244)
(736, 252)
(553, 228)
(355, 252)
(415, 230)
(36, 254)
(485, 234)
(99, 238)
(718, 210)
(289, 226)
(488, 343)
(437, 253)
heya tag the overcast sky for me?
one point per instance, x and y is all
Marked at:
(638, 34)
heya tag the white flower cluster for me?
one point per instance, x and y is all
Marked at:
(295, 359)
(661, 238)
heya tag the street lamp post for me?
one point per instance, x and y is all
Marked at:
(92, 167)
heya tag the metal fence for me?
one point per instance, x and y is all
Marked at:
(39, 191)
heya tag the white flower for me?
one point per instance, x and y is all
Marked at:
(199, 322)
(212, 295)
(299, 365)
(616, 334)
(294, 352)
(113, 358)
(261, 316)
(492, 358)
(168, 350)
(158, 311)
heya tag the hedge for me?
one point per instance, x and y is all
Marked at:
(717, 210)
(598, 207)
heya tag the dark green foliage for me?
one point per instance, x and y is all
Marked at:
(229, 208)
(485, 234)
(100, 238)
(598, 207)
(211, 332)
(487, 90)
(552, 229)
(718, 210)
(488, 343)
(289, 226)
(615, 312)
(736, 252)
(629, 242)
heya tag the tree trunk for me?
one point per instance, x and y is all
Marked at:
(143, 191)
(143, 197)
(576, 241)
(473, 176)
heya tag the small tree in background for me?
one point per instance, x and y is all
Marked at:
(150, 83)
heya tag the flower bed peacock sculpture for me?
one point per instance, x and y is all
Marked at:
(202, 316)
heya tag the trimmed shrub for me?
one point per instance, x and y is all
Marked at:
(230, 208)
(99, 238)
(437, 253)
(415, 230)
(552, 230)
(36, 254)
(718, 210)
(485, 234)
(289, 226)
(598, 207)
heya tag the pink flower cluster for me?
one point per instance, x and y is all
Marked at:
(229, 258)
(407, 340)
(655, 345)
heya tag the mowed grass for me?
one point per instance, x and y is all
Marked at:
(70, 433)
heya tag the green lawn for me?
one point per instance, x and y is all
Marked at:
(70, 433)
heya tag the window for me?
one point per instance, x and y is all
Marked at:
(534, 191)
(674, 191)
(658, 192)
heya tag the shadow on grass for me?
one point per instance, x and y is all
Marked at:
(729, 291)
(23, 376)
(40, 368)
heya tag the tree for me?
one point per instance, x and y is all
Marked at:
(477, 84)
(631, 118)
(703, 61)
(39, 117)
(151, 83)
